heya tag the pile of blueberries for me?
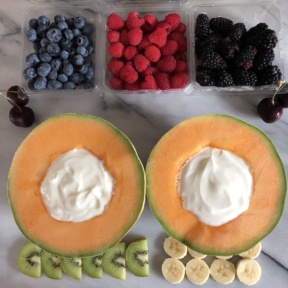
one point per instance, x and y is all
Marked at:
(62, 53)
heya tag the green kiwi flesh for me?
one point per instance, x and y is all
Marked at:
(72, 267)
(92, 266)
(51, 265)
(113, 261)
(137, 258)
(29, 260)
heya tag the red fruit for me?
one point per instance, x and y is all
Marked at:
(164, 25)
(179, 80)
(141, 62)
(148, 83)
(128, 74)
(144, 43)
(169, 48)
(150, 71)
(132, 86)
(115, 22)
(181, 40)
(113, 36)
(130, 62)
(181, 57)
(181, 66)
(116, 49)
(134, 21)
(181, 28)
(167, 64)
(124, 37)
(150, 23)
(114, 66)
(163, 81)
(116, 83)
(130, 52)
(173, 19)
(152, 53)
(135, 36)
(158, 37)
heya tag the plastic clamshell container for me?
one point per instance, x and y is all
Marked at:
(88, 8)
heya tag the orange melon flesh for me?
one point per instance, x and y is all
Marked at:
(45, 143)
(223, 132)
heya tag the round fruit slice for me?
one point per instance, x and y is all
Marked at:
(34, 156)
(222, 271)
(173, 270)
(197, 271)
(248, 271)
(243, 140)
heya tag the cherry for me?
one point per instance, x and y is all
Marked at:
(282, 99)
(22, 116)
(16, 96)
(270, 111)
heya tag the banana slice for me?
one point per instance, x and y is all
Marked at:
(195, 254)
(222, 271)
(253, 252)
(248, 271)
(197, 271)
(173, 270)
(224, 257)
(174, 248)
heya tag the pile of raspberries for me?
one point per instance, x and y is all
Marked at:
(230, 55)
(147, 53)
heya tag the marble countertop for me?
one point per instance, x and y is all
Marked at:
(144, 119)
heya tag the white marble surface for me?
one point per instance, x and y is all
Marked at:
(144, 118)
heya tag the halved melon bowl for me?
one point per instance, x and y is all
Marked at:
(35, 155)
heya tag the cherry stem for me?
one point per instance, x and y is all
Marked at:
(279, 88)
(9, 98)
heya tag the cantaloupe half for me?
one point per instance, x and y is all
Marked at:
(50, 139)
(246, 141)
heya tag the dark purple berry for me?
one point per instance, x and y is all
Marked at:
(17, 96)
(270, 111)
(23, 117)
(202, 26)
(221, 25)
(282, 99)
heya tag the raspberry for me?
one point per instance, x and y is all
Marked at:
(181, 66)
(128, 74)
(134, 21)
(132, 86)
(150, 23)
(130, 63)
(148, 83)
(179, 80)
(173, 19)
(163, 81)
(181, 28)
(181, 40)
(158, 37)
(152, 53)
(169, 48)
(144, 43)
(164, 25)
(181, 57)
(113, 36)
(150, 71)
(116, 83)
(114, 66)
(135, 36)
(116, 49)
(124, 37)
(167, 64)
(115, 22)
(130, 52)
(141, 62)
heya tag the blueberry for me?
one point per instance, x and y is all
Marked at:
(31, 35)
(80, 22)
(62, 25)
(43, 20)
(52, 75)
(54, 85)
(44, 42)
(78, 60)
(76, 78)
(64, 54)
(45, 57)
(72, 52)
(68, 34)
(76, 32)
(56, 64)
(36, 46)
(88, 85)
(31, 84)
(65, 62)
(88, 29)
(90, 73)
(42, 30)
(29, 73)
(54, 35)
(52, 25)
(69, 85)
(44, 69)
(83, 41)
(62, 77)
(32, 59)
(59, 18)
(33, 23)
(88, 62)
(90, 50)
(66, 44)
(40, 83)
(82, 51)
(42, 50)
(83, 69)
(68, 69)
(70, 22)
(53, 49)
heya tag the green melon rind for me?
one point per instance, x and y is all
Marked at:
(141, 172)
(202, 250)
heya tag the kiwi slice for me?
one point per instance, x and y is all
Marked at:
(72, 267)
(137, 258)
(29, 260)
(92, 266)
(51, 265)
(113, 261)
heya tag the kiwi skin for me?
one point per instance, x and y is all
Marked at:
(51, 265)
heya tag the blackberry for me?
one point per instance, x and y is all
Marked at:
(224, 79)
(263, 59)
(205, 77)
(202, 26)
(245, 78)
(208, 43)
(269, 75)
(244, 59)
(221, 25)
(227, 49)
(237, 31)
(211, 59)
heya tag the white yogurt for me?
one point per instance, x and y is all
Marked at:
(76, 187)
(215, 185)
